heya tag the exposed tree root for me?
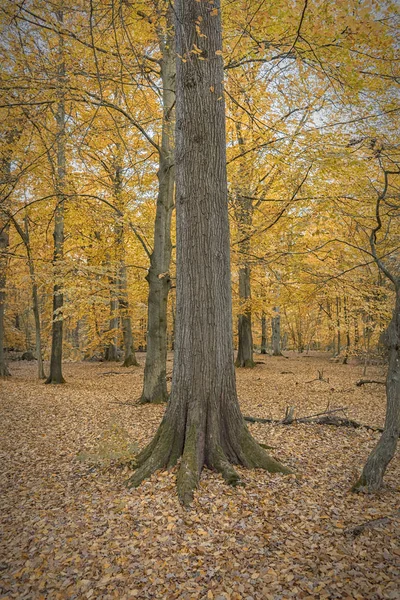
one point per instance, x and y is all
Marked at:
(170, 444)
(154, 400)
(55, 380)
(130, 361)
(244, 364)
(4, 372)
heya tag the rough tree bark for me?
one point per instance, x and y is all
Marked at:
(158, 277)
(371, 478)
(202, 424)
(55, 375)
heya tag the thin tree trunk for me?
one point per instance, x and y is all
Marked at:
(55, 375)
(372, 475)
(339, 344)
(4, 241)
(111, 351)
(158, 277)
(10, 139)
(347, 325)
(202, 422)
(263, 334)
(123, 301)
(35, 302)
(371, 478)
(244, 217)
(129, 349)
(245, 342)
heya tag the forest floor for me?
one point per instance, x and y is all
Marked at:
(70, 529)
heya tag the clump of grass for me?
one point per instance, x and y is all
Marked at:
(114, 449)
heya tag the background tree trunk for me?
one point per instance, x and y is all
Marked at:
(55, 375)
(244, 217)
(202, 422)
(263, 334)
(4, 240)
(129, 348)
(35, 299)
(10, 138)
(158, 277)
(276, 332)
(111, 351)
(122, 277)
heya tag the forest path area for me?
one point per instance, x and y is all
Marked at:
(70, 529)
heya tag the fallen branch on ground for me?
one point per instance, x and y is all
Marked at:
(324, 418)
(364, 381)
(319, 378)
(116, 373)
(372, 523)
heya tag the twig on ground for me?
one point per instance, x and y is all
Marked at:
(364, 381)
(372, 523)
(319, 378)
(327, 417)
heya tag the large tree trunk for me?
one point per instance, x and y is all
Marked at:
(158, 277)
(276, 332)
(55, 375)
(372, 475)
(202, 422)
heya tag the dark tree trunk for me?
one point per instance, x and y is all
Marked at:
(202, 422)
(158, 277)
(276, 333)
(263, 334)
(55, 375)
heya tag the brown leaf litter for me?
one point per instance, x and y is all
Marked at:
(70, 529)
